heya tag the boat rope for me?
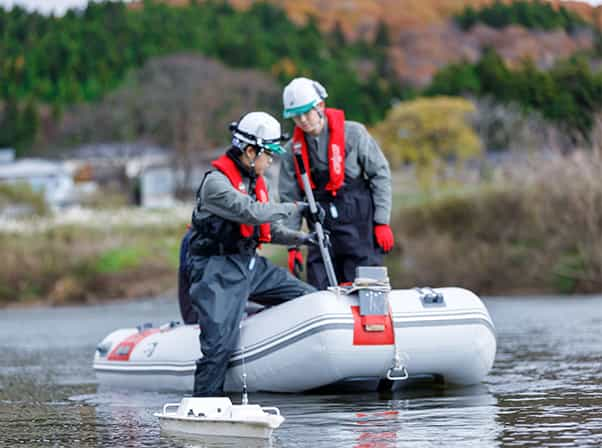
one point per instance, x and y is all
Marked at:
(398, 370)
(366, 283)
(245, 395)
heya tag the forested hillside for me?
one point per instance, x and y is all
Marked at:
(529, 14)
(85, 54)
(569, 94)
(60, 74)
(360, 18)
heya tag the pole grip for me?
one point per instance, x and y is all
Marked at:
(299, 157)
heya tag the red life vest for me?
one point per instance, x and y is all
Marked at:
(336, 151)
(227, 166)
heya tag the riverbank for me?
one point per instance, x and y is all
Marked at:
(533, 229)
(85, 256)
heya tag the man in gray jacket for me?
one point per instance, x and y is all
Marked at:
(232, 217)
(349, 176)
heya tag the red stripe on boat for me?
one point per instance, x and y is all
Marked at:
(125, 348)
(363, 337)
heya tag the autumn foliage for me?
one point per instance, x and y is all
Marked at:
(426, 132)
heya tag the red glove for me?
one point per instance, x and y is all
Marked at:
(384, 236)
(295, 262)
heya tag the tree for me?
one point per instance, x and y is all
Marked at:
(9, 124)
(493, 74)
(184, 102)
(428, 133)
(530, 14)
(337, 35)
(28, 125)
(381, 38)
(455, 79)
(83, 56)
(467, 18)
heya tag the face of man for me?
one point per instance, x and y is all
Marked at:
(311, 122)
(261, 162)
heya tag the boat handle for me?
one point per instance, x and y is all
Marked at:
(429, 296)
(394, 377)
(276, 411)
(170, 405)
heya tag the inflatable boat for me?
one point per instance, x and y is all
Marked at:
(339, 338)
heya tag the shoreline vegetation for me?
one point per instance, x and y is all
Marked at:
(83, 256)
(532, 228)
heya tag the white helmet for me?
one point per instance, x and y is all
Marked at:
(302, 95)
(257, 129)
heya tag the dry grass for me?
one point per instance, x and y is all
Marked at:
(71, 264)
(538, 228)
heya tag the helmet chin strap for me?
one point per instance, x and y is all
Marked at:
(252, 160)
(320, 113)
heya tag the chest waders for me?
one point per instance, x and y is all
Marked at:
(349, 219)
(225, 272)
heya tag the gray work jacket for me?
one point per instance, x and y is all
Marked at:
(363, 157)
(219, 197)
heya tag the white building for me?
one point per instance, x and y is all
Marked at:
(148, 169)
(45, 176)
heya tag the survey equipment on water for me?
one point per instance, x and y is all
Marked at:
(217, 416)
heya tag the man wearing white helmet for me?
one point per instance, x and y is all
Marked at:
(350, 178)
(232, 217)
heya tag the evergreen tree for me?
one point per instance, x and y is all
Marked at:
(83, 55)
(381, 38)
(28, 126)
(337, 35)
(9, 124)
(493, 74)
(467, 18)
(570, 94)
(530, 14)
(455, 79)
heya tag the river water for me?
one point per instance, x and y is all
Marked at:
(545, 388)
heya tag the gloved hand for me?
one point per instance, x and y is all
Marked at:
(384, 236)
(301, 207)
(312, 218)
(311, 239)
(295, 261)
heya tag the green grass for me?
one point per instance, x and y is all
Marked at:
(567, 271)
(119, 259)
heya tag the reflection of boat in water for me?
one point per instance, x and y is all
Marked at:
(321, 339)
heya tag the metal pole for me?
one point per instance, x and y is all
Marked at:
(332, 279)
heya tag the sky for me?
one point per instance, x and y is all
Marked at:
(59, 6)
(56, 6)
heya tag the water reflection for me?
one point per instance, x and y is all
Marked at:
(173, 441)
